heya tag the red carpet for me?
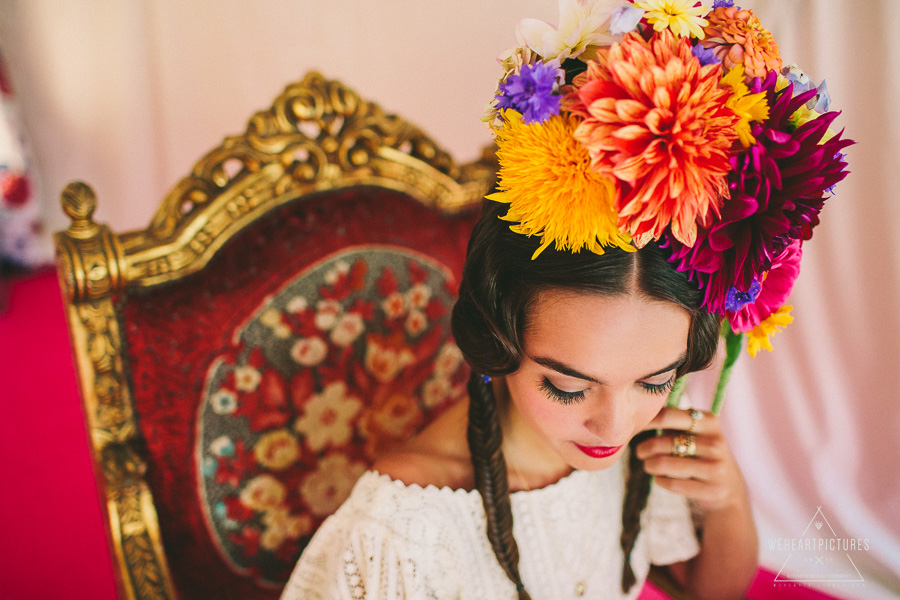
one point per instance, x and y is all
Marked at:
(52, 543)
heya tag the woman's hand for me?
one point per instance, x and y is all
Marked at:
(705, 471)
(708, 473)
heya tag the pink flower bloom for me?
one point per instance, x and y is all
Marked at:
(776, 287)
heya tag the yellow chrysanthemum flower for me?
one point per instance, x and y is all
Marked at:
(749, 107)
(546, 178)
(681, 16)
(758, 337)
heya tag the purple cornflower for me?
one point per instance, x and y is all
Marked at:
(531, 93)
(736, 299)
(725, 3)
(705, 55)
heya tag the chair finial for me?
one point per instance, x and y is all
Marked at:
(79, 202)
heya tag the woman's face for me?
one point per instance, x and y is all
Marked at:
(597, 370)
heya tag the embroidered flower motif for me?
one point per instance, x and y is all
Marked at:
(416, 323)
(435, 391)
(297, 305)
(385, 359)
(263, 492)
(309, 352)
(246, 379)
(280, 525)
(327, 313)
(325, 489)
(349, 327)
(222, 446)
(223, 402)
(394, 306)
(390, 420)
(656, 120)
(333, 275)
(418, 295)
(327, 417)
(546, 178)
(271, 318)
(448, 360)
(277, 450)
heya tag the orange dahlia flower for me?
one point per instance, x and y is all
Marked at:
(656, 120)
(738, 38)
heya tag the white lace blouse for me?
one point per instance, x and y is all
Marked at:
(390, 541)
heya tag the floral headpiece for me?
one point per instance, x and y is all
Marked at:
(667, 121)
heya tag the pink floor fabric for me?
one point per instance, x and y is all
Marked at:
(52, 543)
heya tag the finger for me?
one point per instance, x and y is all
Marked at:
(683, 419)
(707, 446)
(677, 467)
(707, 496)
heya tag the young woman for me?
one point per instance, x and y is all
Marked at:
(551, 457)
(659, 171)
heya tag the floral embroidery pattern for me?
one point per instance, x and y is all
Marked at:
(334, 370)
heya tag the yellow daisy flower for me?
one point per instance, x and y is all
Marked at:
(681, 16)
(546, 178)
(758, 337)
(749, 107)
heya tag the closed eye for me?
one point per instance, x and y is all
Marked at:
(554, 393)
(658, 388)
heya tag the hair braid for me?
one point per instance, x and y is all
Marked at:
(485, 440)
(637, 490)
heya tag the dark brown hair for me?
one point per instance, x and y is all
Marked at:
(499, 285)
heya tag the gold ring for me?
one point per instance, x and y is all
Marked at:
(696, 415)
(684, 444)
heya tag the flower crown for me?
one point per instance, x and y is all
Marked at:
(666, 121)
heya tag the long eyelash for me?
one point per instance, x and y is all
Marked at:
(661, 388)
(560, 396)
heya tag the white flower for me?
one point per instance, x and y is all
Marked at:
(271, 318)
(309, 351)
(416, 322)
(447, 360)
(394, 305)
(349, 327)
(341, 267)
(418, 295)
(327, 312)
(246, 379)
(583, 26)
(327, 417)
(223, 402)
(326, 489)
(297, 305)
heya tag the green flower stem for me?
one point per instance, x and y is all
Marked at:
(677, 391)
(733, 344)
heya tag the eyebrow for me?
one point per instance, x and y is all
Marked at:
(570, 372)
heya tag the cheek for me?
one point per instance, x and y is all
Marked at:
(543, 412)
(647, 411)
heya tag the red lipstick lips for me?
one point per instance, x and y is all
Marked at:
(598, 451)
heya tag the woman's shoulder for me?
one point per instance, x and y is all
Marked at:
(438, 456)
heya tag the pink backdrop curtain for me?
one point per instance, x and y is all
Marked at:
(126, 95)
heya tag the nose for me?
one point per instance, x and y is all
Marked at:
(611, 418)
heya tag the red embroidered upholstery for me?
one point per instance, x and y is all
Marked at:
(266, 383)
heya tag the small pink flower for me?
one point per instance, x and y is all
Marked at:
(776, 287)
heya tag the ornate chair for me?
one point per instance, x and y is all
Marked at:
(282, 321)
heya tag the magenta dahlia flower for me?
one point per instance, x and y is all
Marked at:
(778, 186)
(773, 291)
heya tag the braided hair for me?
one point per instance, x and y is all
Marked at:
(499, 286)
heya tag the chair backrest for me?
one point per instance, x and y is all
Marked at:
(281, 323)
